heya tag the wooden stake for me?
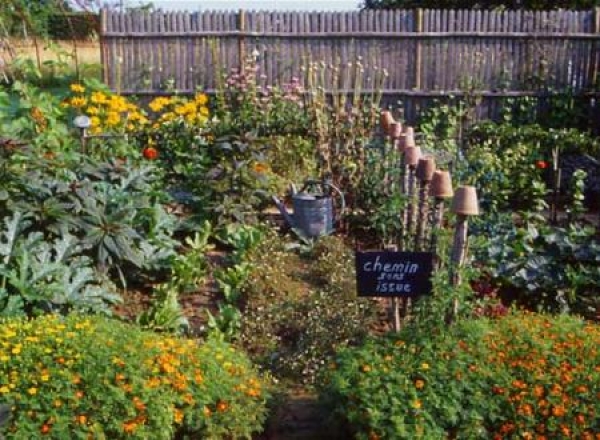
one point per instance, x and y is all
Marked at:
(438, 218)
(423, 212)
(394, 304)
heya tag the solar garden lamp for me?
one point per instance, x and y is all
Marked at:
(82, 122)
(424, 173)
(441, 190)
(411, 160)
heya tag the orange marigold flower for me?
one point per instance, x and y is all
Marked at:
(419, 384)
(45, 429)
(558, 411)
(222, 406)
(565, 430)
(129, 427)
(580, 419)
(366, 368)
(178, 416)
(81, 419)
(207, 412)
(260, 167)
(538, 391)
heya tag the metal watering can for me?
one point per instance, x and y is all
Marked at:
(313, 208)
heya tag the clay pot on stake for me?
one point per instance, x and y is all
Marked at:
(464, 205)
(386, 120)
(441, 190)
(424, 174)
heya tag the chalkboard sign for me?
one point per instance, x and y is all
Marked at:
(404, 274)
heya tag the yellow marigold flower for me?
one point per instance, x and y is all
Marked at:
(203, 111)
(32, 391)
(4, 358)
(425, 366)
(112, 119)
(201, 99)
(78, 102)
(77, 88)
(417, 404)
(207, 412)
(98, 98)
(16, 349)
(4, 389)
(45, 377)
(92, 110)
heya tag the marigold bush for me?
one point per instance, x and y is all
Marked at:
(523, 376)
(91, 377)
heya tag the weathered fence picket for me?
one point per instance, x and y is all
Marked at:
(427, 53)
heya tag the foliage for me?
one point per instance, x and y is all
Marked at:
(521, 376)
(111, 207)
(296, 313)
(245, 105)
(39, 276)
(32, 116)
(79, 377)
(379, 198)
(341, 122)
(546, 267)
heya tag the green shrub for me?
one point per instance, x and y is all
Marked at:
(522, 376)
(84, 377)
(510, 165)
(546, 267)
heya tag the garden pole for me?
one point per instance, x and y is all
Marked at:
(413, 154)
(424, 173)
(464, 204)
(395, 304)
(440, 190)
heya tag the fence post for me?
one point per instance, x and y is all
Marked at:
(242, 38)
(418, 30)
(103, 21)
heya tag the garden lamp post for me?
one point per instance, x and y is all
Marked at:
(82, 122)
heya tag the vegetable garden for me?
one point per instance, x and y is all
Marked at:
(150, 289)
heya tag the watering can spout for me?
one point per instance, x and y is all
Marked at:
(284, 213)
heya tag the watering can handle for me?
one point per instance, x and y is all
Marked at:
(341, 194)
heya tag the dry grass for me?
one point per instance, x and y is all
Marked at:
(88, 52)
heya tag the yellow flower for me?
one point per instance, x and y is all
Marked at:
(78, 102)
(425, 366)
(32, 391)
(77, 88)
(16, 349)
(4, 389)
(178, 416)
(98, 98)
(92, 110)
(201, 99)
(112, 119)
(416, 404)
(45, 377)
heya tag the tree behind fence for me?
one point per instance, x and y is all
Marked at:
(427, 53)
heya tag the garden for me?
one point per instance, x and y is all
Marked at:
(150, 287)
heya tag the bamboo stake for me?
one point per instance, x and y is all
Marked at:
(394, 310)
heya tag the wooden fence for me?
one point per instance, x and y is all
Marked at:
(426, 53)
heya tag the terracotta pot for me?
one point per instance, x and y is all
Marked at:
(409, 140)
(386, 120)
(395, 130)
(425, 168)
(441, 185)
(412, 155)
(465, 201)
